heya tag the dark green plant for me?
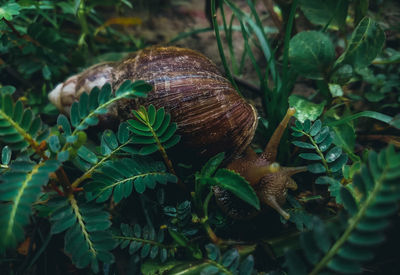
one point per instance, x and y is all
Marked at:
(330, 160)
(66, 190)
(144, 241)
(87, 239)
(228, 263)
(370, 201)
(119, 177)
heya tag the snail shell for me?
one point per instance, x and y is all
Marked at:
(210, 114)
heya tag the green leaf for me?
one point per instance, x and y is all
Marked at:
(310, 156)
(345, 138)
(316, 127)
(212, 165)
(341, 76)
(335, 89)
(347, 242)
(141, 88)
(230, 257)
(8, 10)
(62, 121)
(45, 71)
(213, 252)
(306, 126)
(20, 187)
(5, 155)
(338, 164)
(54, 144)
(87, 239)
(235, 183)
(302, 144)
(305, 109)
(18, 127)
(333, 154)
(247, 266)
(348, 200)
(119, 176)
(332, 12)
(153, 129)
(316, 168)
(123, 132)
(364, 46)
(75, 118)
(87, 155)
(311, 53)
(370, 114)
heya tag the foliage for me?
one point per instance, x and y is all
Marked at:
(181, 218)
(20, 187)
(345, 245)
(331, 160)
(228, 263)
(226, 179)
(153, 129)
(120, 176)
(144, 241)
(116, 202)
(18, 126)
(87, 239)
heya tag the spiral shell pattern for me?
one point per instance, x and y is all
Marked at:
(210, 114)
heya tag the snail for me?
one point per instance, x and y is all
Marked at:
(211, 116)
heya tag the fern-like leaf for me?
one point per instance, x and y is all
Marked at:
(111, 145)
(144, 241)
(18, 126)
(153, 129)
(181, 218)
(120, 176)
(87, 239)
(20, 186)
(228, 264)
(329, 160)
(85, 112)
(344, 246)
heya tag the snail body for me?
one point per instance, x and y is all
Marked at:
(210, 115)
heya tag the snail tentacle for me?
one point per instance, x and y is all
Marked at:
(271, 150)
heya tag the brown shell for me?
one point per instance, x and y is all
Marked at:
(210, 114)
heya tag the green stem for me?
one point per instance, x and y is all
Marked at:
(220, 47)
(75, 207)
(205, 205)
(89, 172)
(319, 152)
(213, 237)
(288, 33)
(220, 267)
(353, 222)
(228, 35)
(92, 114)
(133, 239)
(84, 25)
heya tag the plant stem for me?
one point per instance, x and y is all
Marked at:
(288, 32)
(353, 222)
(132, 239)
(220, 267)
(89, 172)
(206, 202)
(324, 162)
(221, 48)
(84, 25)
(213, 237)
